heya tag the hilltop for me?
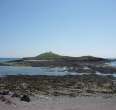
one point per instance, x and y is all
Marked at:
(48, 56)
(45, 56)
(54, 56)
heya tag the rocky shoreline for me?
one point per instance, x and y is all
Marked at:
(71, 86)
(84, 64)
(70, 92)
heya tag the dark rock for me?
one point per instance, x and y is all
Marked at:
(90, 91)
(2, 98)
(15, 95)
(4, 93)
(25, 98)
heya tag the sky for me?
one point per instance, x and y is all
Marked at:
(67, 27)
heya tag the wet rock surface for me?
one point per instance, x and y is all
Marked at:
(24, 86)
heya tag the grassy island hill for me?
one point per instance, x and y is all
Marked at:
(54, 56)
(48, 56)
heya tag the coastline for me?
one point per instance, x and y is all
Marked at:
(67, 85)
(69, 92)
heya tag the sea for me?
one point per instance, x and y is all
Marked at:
(7, 59)
(56, 71)
(17, 70)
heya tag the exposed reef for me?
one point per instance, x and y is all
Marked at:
(57, 85)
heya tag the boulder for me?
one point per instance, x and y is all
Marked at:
(25, 98)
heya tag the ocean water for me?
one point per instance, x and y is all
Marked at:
(13, 70)
(113, 63)
(7, 59)
(57, 71)
(10, 70)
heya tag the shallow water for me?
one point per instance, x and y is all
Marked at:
(56, 71)
(113, 63)
(10, 70)
(7, 59)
